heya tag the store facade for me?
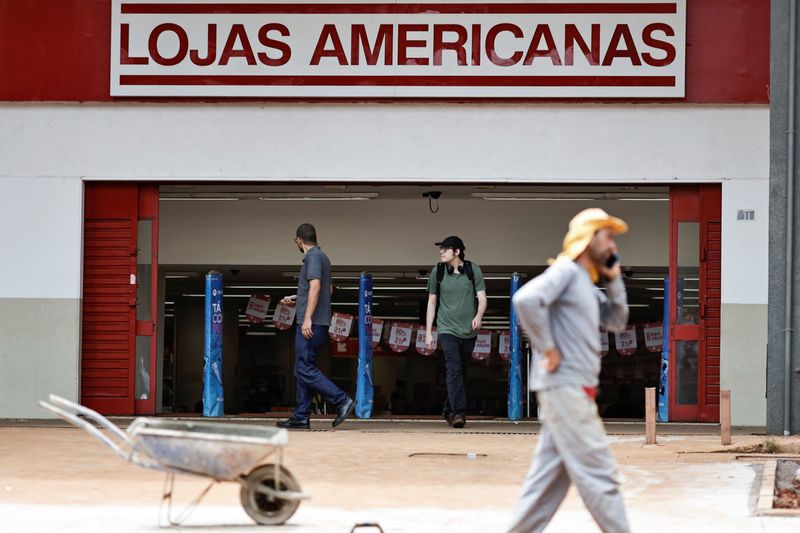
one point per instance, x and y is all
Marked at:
(110, 125)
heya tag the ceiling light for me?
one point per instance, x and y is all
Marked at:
(319, 196)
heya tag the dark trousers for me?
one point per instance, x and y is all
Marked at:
(309, 377)
(457, 352)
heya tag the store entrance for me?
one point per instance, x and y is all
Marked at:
(388, 230)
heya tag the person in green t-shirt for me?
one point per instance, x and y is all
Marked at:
(458, 288)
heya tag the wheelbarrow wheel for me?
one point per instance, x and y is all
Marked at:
(259, 506)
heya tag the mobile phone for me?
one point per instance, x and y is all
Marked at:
(612, 260)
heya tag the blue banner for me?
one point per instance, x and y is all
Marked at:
(515, 366)
(364, 385)
(662, 414)
(213, 398)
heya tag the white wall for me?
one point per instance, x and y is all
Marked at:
(395, 232)
(369, 141)
(745, 267)
(41, 227)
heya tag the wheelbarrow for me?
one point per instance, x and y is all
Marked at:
(270, 494)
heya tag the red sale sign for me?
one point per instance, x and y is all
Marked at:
(653, 336)
(284, 315)
(504, 345)
(400, 336)
(421, 346)
(483, 345)
(341, 324)
(257, 308)
(377, 329)
(626, 341)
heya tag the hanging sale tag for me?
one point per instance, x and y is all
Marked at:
(400, 337)
(341, 324)
(504, 345)
(626, 341)
(377, 329)
(420, 344)
(653, 336)
(603, 343)
(257, 308)
(483, 345)
(284, 315)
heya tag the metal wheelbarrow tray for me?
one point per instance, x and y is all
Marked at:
(223, 452)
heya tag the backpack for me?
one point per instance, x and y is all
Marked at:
(440, 269)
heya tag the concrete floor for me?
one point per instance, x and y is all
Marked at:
(406, 476)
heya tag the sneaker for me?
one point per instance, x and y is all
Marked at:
(458, 421)
(294, 423)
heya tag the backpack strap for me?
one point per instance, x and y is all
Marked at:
(470, 275)
(439, 276)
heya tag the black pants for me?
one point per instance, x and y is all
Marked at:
(457, 352)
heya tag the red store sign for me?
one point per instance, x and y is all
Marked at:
(530, 49)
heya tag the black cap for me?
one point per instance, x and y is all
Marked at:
(451, 242)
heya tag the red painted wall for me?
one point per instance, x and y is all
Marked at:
(59, 50)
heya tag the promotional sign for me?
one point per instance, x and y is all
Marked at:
(515, 366)
(340, 327)
(663, 382)
(284, 315)
(213, 397)
(483, 345)
(653, 336)
(257, 308)
(421, 346)
(377, 330)
(399, 49)
(365, 390)
(626, 341)
(504, 345)
(400, 336)
(604, 345)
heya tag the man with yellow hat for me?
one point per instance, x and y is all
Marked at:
(561, 312)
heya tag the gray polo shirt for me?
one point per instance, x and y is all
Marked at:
(562, 308)
(316, 265)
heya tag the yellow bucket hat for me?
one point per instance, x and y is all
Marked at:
(582, 228)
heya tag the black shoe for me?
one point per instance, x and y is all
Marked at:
(448, 417)
(458, 421)
(294, 423)
(344, 411)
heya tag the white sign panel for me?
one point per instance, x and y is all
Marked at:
(401, 49)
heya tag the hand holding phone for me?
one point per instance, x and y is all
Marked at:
(612, 260)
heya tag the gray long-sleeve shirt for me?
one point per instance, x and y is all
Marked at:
(562, 308)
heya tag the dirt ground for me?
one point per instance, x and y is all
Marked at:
(407, 477)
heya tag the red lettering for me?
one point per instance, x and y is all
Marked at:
(491, 37)
(666, 47)
(246, 51)
(320, 51)
(124, 45)
(282, 47)
(439, 44)
(194, 55)
(622, 32)
(572, 37)
(542, 31)
(404, 43)
(476, 44)
(359, 41)
(183, 44)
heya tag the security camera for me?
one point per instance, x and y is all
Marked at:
(422, 272)
(432, 194)
(627, 272)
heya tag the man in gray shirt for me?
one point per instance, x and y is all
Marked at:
(561, 312)
(313, 319)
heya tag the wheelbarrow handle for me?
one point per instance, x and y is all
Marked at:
(69, 411)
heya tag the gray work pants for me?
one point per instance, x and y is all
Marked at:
(572, 449)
